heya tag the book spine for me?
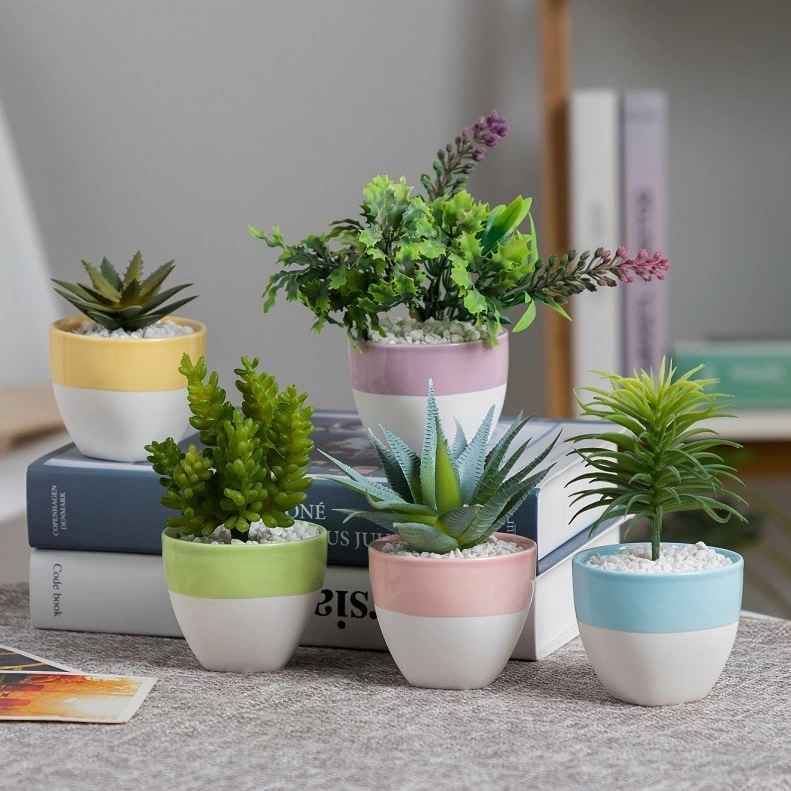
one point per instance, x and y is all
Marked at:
(124, 593)
(76, 508)
(102, 510)
(72, 508)
(113, 592)
(645, 323)
(756, 378)
(595, 221)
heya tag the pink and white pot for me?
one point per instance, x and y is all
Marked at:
(452, 623)
(390, 383)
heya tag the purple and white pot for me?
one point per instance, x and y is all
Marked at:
(390, 384)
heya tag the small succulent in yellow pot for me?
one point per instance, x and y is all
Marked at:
(115, 368)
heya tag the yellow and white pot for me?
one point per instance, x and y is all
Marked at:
(116, 395)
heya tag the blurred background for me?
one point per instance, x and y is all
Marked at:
(170, 126)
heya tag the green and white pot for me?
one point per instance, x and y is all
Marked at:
(244, 607)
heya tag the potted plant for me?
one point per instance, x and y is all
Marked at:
(114, 369)
(451, 594)
(657, 621)
(244, 578)
(456, 268)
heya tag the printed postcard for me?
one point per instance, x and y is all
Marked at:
(69, 697)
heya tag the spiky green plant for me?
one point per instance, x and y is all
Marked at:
(129, 302)
(453, 496)
(254, 465)
(666, 463)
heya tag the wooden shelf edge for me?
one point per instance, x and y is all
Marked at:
(556, 88)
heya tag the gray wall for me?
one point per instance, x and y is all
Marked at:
(726, 66)
(169, 126)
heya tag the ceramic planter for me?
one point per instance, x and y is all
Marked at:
(390, 382)
(243, 608)
(116, 395)
(657, 639)
(452, 623)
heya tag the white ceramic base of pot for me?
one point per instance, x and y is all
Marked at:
(658, 669)
(244, 635)
(405, 415)
(451, 653)
(116, 424)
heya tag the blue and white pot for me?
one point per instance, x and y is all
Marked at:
(657, 639)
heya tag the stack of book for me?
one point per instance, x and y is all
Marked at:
(94, 529)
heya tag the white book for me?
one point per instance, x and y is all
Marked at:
(595, 182)
(126, 594)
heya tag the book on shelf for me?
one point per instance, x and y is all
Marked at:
(757, 373)
(595, 172)
(77, 503)
(125, 593)
(644, 169)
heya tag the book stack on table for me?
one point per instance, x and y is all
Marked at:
(95, 527)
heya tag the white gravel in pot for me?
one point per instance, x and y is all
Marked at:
(259, 534)
(407, 330)
(159, 329)
(672, 559)
(490, 548)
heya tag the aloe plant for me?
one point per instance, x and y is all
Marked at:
(667, 462)
(254, 465)
(452, 496)
(129, 302)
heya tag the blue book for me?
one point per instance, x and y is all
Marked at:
(79, 503)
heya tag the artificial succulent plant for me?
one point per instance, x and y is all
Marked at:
(127, 302)
(668, 462)
(254, 463)
(452, 496)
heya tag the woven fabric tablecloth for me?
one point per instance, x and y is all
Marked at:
(336, 719)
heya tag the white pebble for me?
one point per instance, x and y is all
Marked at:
(409, 331)
(159, 329)
(259, 533)
(673, 559)
(492, 547)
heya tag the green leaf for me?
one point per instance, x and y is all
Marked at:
(133, 272)
(534, 243)
(409, 462)
(428, 459)
(448, 486)
(110, 275)
(455, 522)
(423, 538)
(395, 475)
(474, 302)
(558, 309)
(528, 316)
(100, 283)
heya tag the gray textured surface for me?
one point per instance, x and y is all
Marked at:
(347, 720)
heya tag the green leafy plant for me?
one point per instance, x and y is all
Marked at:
(127, 302)
(667, 462)
(441, 256)
(254, 465)
(453, 496)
